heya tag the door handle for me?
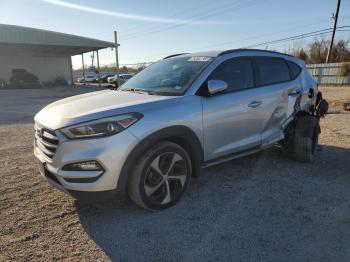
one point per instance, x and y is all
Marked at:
(254, 104)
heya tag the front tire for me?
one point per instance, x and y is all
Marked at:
(160, 177)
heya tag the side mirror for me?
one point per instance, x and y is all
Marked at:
(216, 86)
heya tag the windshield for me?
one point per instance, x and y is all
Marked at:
(171, 76)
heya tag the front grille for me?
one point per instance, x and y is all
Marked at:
(46, 141)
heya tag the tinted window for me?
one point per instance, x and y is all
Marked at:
(237, 73)
(271, 70)
(294, 69)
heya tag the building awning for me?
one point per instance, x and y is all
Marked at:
(18, 40)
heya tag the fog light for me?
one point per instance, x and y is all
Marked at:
(91, 165)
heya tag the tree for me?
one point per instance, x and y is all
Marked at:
(124, 69)
(341, 52)
(316, 52)
(301, 54)
(141, 66)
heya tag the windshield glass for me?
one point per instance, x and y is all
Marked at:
(171, 76)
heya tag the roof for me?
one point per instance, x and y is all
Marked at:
(17, 40)
(251, 50)
(207, 53)
(221, 53)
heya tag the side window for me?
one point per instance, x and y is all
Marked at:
(237, 73)
(270, 70)
(294, 69)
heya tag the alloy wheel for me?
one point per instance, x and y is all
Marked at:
(165, 178)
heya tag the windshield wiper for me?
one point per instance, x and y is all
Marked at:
(149, 92)
(136, 90)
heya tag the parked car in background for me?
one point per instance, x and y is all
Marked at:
(87, 79)
(147, 138)
(80, 80)
(122, 78)
(2, 83)
(23, 78)
(104, 77)
(90, 79)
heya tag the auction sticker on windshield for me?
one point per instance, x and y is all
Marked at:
(199, 59)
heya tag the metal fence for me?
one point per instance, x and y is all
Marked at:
(328, 74)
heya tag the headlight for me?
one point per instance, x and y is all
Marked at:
(101, 127)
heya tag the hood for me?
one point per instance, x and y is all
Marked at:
(94, 105)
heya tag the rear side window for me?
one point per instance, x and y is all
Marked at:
(270, 70)
(237, 73)
(294, 69)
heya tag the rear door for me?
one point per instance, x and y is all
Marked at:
(278, 93)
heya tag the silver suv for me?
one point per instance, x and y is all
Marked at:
(178, 115)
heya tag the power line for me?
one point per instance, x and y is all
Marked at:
(175, 15)
(340, 32)
(260, 36)
(322, 31)
(298, 37)
(237, 41)
(195, 18)
(264, 35)
(155, 26)
(253, 37)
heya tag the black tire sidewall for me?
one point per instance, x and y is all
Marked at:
(305, 138)
(314, 140)
(147, 159)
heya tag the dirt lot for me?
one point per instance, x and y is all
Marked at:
(265, 207)
(336, 96)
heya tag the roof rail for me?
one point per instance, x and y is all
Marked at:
(174, 55)
(248, 49)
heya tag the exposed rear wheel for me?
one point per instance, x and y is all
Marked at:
(160, 177)
(306, 138)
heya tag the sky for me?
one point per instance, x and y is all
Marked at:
(150, 30)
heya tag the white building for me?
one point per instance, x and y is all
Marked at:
(45, 54)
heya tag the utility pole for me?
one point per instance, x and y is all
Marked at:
(92, 59)
(82, 61)
(98, 69)
(116, 57)
(333, 33)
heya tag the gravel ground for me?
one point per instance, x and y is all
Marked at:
(265, 207)
(336, 95)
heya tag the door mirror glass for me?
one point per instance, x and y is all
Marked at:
(216, 86)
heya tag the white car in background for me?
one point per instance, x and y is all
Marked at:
(87, 79)
(90, 79)
(122, 77)
(80, 80)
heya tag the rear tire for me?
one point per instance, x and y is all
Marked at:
(305, 138)
(160, 177)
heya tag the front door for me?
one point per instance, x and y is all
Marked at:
(232, 119)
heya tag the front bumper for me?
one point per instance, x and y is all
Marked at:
(111, 153)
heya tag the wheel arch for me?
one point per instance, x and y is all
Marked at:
(180, 135)
(302, 113)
